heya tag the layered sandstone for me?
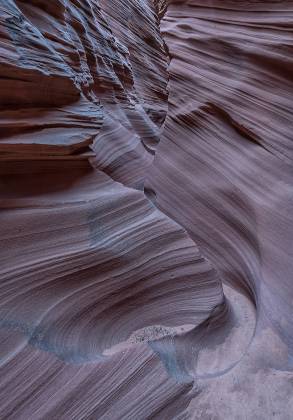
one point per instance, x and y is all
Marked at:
(146, 201)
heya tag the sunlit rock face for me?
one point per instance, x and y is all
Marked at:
(146, 209)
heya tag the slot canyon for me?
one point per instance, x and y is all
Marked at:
(146, 209)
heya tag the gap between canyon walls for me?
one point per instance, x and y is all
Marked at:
(220, 314)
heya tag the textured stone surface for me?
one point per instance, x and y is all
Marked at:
(146, 192)
(223, 170)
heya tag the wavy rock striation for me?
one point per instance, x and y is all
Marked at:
(223, 170)
(146, 228)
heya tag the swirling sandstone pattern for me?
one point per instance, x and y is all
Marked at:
(146, 215)
(223, 170)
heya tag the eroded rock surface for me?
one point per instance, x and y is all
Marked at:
(223, 170)
(146, 209)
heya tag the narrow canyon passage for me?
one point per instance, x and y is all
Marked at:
(146, 192)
